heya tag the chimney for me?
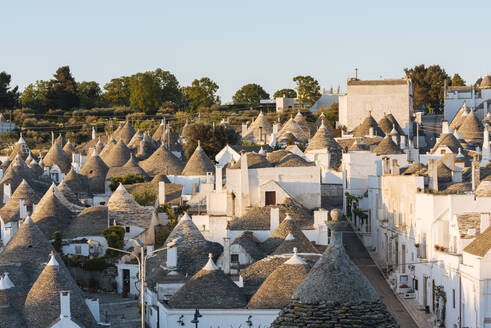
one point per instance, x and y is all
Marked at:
(385, 165)
(52, 137)
(22, 209)
(395, 170)
(321, 217)
(244, 129)
(244, 200)
(433, 175)
(93, 133)
(226, 255)
(486, 151)
(218, 178)
(7, 192)
(370, 132)
(161, 192)
(171, 258)
(484, 222)
(65, 305)
(457, 174)
(445, 128)
(274, 219)
(275, 128)
(476, 177)
(403, 141)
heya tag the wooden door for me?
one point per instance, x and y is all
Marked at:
(270, 198)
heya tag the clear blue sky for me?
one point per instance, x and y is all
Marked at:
(239, 42)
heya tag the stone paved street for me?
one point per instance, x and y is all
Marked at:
(119, 312)
(362, 259)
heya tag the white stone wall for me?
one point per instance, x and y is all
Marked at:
(302, 183)
(230, 318)
(379, 99)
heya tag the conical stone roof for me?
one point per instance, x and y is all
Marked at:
(198, 164)
(42, 304)
(254, 130)
(323, 119)
(69, 149)
(459, 117)
(162, 161)
(20, 148)
(107, 147)
(96, 170)
(126, 211)
(78, 183)
(335, 278)
(276, 291)
(157, 135)
(287, 227)
(28, 247)
(194, 249)
(363, 129)
(16, 172)
(125, 133)
(324, 140)
(302, 122)
(10, 211)
(68, 193)
(335, 292)
(471, 129)
(210, 288)
(448, 140)
(57, 156)
(387, 147)
(130, 167)
(118, 155)
(292, 127)
(51, 214)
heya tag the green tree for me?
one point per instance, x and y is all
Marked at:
(9, 96)
(34, 96)
(89, 94)
(288, 93)
(62, 90)
(308, 90)
(457, 80)
(57, 242)
(212, 140)
(115, 238)
(117, 92)
(170, 91)
(250, 94)
(201, 93)
(428, 83)
(145, 92)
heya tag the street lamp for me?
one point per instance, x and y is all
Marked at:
(249, 321)
(195, 320)
(141, 263)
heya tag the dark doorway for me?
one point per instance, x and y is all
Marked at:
(126, 281)
(270, 197)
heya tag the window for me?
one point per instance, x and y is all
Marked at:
(234, 258)
(442, 151)
(415, 284)
(127, 229)
(453, 298)
(78, 249)
(270, 198)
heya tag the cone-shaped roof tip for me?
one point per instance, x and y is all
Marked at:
(210, 265)
(295, 259)
(52, 260)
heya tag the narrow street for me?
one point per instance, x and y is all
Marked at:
(362, 259)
